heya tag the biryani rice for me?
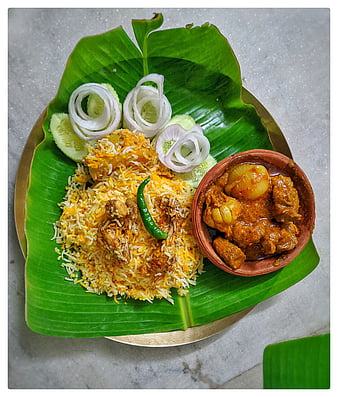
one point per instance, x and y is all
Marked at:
(139, 266)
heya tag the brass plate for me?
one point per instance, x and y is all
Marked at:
(161, 339)
(178, 338)
(22, 181)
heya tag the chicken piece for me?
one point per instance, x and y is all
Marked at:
(230, 253)
(279, 238)
(264, 238)
(116, 208)
(112, 238)
(268, 244)
(222, 181)
(171, 213)
(243, 234)
(220, 209)
(171, 208)
(287, 238)
(256, 239)
(158, 262)
(285, 199)
(112, 232)
(255, 210)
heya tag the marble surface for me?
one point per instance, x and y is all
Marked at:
(284, 57)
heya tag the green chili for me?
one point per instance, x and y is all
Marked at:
(147, 219)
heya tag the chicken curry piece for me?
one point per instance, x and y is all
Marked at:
(255, 214)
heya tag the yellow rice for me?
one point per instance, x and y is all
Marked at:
(145, 268)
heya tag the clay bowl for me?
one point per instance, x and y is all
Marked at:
(275, 162)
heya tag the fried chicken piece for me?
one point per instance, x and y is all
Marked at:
(112, 232)
(264, 238)
(244, 234)
(287, 238)
(114, 241)
(285, 199)
(230, 253)
(116, 208)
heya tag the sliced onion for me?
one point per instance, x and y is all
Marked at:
(86, 127)
(138, 98)
(193, 140)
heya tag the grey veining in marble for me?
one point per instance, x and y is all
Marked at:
(284, 57)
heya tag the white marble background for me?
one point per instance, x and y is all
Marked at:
(284, 57)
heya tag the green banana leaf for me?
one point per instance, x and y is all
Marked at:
(302, 363)
(203, 79)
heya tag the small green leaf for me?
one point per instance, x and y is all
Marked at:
(298, 364)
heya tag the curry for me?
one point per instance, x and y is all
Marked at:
(254, 213)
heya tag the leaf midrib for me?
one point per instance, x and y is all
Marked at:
(186, 312)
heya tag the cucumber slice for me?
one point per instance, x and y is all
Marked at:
(66, 139)
(95, 103)
(194, 177)
(184, 120)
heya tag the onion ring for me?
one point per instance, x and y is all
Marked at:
(86, 127)
(193, 142)
(136, 101)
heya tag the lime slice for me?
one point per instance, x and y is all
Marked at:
(66, 139)
(95, 103)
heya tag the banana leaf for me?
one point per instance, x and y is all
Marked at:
(302, 363)
(203, 79)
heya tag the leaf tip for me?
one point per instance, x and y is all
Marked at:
(158, 17)
(143, 27)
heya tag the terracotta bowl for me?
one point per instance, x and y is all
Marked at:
(275, 162)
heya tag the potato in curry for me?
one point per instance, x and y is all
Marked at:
(254, 212)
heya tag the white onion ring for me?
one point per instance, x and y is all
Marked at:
(138, 97)
(193, 139)
(86, 127)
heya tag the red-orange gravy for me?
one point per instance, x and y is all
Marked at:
(251, 229)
